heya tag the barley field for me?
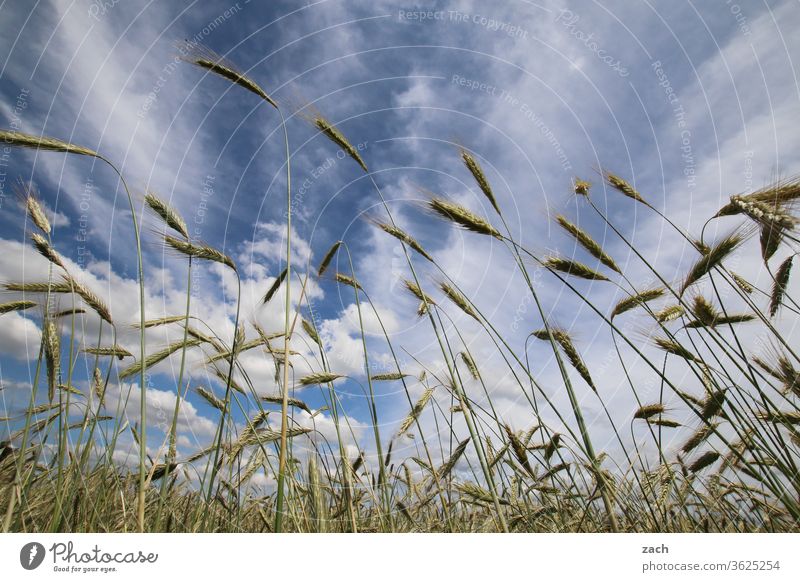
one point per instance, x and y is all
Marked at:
(701, 432)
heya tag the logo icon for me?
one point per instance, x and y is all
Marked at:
(31, 555)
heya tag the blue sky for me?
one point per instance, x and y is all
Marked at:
(690, 101)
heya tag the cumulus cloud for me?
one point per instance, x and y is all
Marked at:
(538, 110)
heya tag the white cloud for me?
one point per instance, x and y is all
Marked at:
(270, 243)
(19, 337)
(738, 119)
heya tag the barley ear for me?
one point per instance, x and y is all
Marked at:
(45, 249)
(16, 306)
(403, 237)
(633, 301)
(24, 140)
(477, 172)
(457, 298)
(573, 268)
(199, 251)
(90, 298)
(319, 378)
(713, 258)
(33, 206)
(347, 280)
(205, 58)
(332, 133)
(624, 188)
(167, 213)
(462, 217)
(274, 287)
(52, 355)
(581, 187)
(326, 260)
(587, 242)
(779, 286)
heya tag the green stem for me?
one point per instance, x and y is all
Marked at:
(288, 306)
(143, 368)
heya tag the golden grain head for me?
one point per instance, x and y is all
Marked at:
(403, 237)
(199, 251)
(210, 398)
(463, 217)
(347, 280)
(573, 268)
(648, 410)
(89, 298)
(167, 213)
(472, 367)
(587, 242)
(205, 58)
(326, 260)
(332, 133)
(703, 461)
(714, 258)
(311, 332)
(457, 298)
(623, 187)
(477, 172)
(273, 289)
(417, 292)
(669, 313)
(698, 437)
(51, 344)
(415, 413)
(742, 283)
(278, 399)
(664, 422)
(581, 187)
(44, 248)
(633, 301)
(673, 347)
(38, 287)
(12, 306)
(26, 191)
(779, 285)
(389, 376)
(319, 378)
(24, 140)
(116, 351)
(704, 311)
